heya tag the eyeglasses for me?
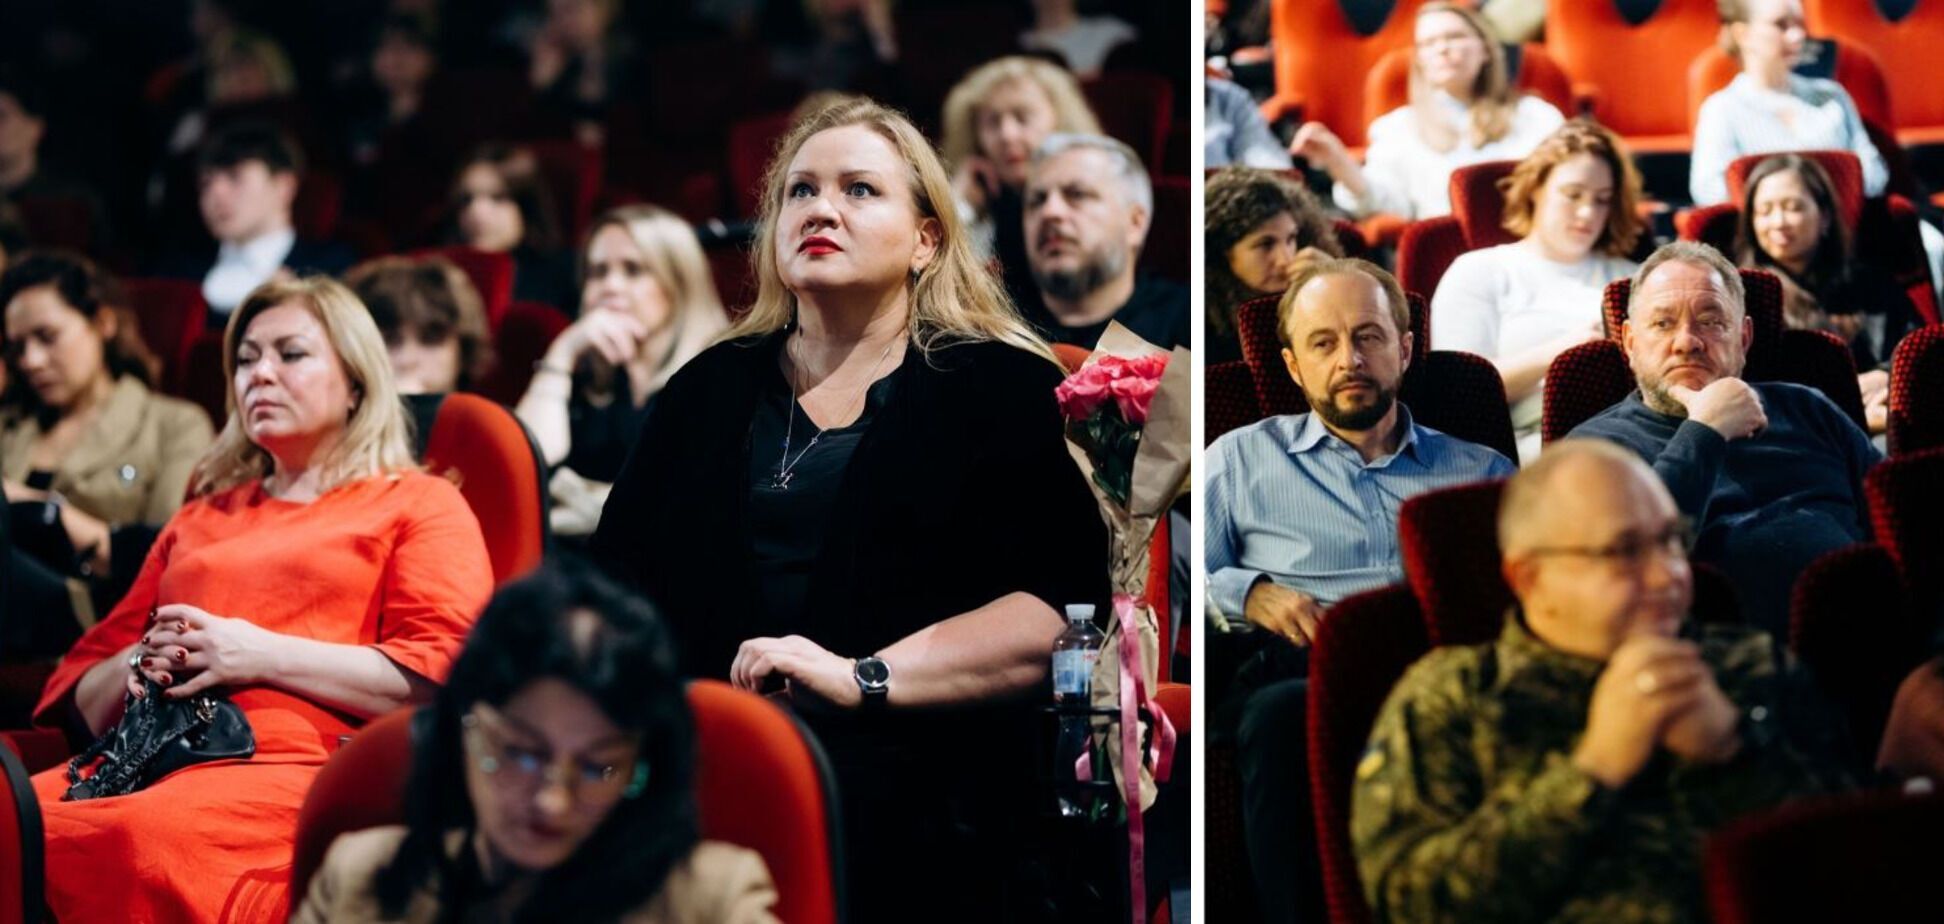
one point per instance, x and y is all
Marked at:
(1633, 549)
(517, 766)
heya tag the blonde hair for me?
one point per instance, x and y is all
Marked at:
(672, 254)
(1578, 136)
(1493, 99)
(961, 129)
(377, 437)
(953, 298)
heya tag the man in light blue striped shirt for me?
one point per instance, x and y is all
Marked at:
(1302, 512)
(1302, 509)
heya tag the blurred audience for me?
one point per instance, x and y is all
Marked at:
(1463, 110)
(563, 667)
(94, 461)
(1259, 228)
(580, 64)
(1083, 41)
(1089, 204)
(432, 319)
(24, 179)
(500, 204)
(648, 306)
(1234, 132)
(403, 60)
(1573, 203)
(995, 118)
(248, 176)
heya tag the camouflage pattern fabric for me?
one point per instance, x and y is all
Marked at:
(1468, 808)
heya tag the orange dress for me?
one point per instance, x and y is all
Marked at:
(396, 563)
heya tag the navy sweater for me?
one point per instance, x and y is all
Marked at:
(1763, 507)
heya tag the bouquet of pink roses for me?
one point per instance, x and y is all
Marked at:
(1127, 427)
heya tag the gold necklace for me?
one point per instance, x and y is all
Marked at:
(785, 466)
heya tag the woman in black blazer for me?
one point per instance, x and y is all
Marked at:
(862, 499)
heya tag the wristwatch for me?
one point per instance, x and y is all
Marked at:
(873, 680)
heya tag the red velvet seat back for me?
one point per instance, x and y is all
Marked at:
(752, 142)
(520, 341)
(1364, 646)
(1228, 399)
(1425, 249)
(171, 314)
(491, 274)
(1134, 107)
(1449, 541)
(1845, 179)
(1868, 856)
(500, 474)
(1906, 497)
(1166, 251)
(1608, 58)
(1852, 623)
(23, 872)
(1462, 395)
(762, 782)
(1428, 247)
(1582, 381)
(1917, 391)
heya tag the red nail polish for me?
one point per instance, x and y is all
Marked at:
(145, 640)
(181, 655)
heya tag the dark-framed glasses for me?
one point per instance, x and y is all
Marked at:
(1632, 549)
(515, 763)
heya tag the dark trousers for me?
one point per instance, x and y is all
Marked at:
(1272, 753)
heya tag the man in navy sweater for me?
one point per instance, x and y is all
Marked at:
(1770, 474)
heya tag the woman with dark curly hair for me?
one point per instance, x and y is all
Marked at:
(1260, 226)
(556, 781)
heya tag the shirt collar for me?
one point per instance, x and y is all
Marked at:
(267, 250)
(1311, 434)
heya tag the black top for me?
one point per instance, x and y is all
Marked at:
(544, 276)
(1157, 310)
(786, 521)
(601, 436)
(1007, 211)
(1864, 289)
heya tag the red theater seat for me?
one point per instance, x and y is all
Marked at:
(1917, 391)
(1167, 247)
(485, 450)
(1228, 398)
(172, 314)
(1903, 49)
(1134, 107)
(1322, 57)
(521, 339)
(22, 869)
(1868, 856)
(1477, 221)
(1632, 76)
(491, 274)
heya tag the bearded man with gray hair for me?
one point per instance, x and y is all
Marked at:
(1770, 473)
(1088, 209)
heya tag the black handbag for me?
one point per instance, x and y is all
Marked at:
(156, 737)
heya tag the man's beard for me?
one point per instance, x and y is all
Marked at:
(1653, 393)
(1356, 420)
(1071, 285)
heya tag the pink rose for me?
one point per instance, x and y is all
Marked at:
(1150, 366)
(1081, 394)
(1133, 395)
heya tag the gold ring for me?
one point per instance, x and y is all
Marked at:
(1646, 682)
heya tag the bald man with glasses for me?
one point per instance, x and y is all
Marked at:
(1570, 770)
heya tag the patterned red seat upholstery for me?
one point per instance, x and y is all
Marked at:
(1582, 381)
(1363, 648)
(1917, 391)
(1449, 541)
(1229, 399)
(1868, 856)
(1851, 621)
(1462, 395)
(1477, 213)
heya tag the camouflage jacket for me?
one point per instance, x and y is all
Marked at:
(1467, 806)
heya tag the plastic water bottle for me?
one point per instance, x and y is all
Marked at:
(1074, 654)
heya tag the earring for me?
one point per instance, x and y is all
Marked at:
(639, 783)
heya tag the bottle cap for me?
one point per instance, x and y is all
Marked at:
(1080, 611)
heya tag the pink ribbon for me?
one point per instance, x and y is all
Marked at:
(1160, 752)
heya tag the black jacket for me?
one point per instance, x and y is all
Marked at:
(960, 492)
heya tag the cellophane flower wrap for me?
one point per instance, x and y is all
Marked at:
(1127, 416)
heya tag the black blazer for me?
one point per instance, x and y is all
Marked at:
(960, 492)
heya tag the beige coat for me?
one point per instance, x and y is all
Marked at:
(718, 883)
(132, 466)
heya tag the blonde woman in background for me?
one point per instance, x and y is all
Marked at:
(995, 118)
(1463, 111)
(648, 305)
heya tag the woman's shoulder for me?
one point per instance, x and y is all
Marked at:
(1397, 125)
(717, 881)
(1818, 90)
(723, 359)
(1533, 109)
(991, 364)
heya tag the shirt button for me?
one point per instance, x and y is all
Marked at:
(127, 474)
(1759, 713)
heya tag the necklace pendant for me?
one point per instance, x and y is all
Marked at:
(782, 480)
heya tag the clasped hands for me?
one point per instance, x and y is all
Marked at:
(202, 650)
(1655, 692)
(810, 672)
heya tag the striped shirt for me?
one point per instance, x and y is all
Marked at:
(1746, 118)
(1290, 502)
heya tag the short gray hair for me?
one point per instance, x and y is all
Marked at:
(1133, 177)
(1698, 254)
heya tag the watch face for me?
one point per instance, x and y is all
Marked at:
(873, 671)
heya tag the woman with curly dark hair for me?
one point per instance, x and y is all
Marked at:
(556, 781)
(1259, 226)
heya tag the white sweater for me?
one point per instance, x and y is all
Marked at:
(1408, 178)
